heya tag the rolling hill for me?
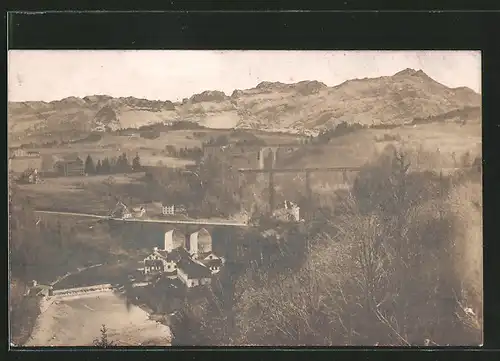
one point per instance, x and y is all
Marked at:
(306, 107)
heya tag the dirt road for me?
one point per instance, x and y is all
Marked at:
(77, 322)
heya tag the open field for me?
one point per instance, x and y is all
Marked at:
(85, 194)
(77, 322)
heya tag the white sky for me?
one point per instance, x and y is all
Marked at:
(173, 74)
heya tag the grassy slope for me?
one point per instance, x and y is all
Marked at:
(364, 145)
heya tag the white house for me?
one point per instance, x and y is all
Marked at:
(155, 263)
(193, 274)
(210, 260)
(168, 210)
(193, 267)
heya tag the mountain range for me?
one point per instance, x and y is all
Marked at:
(306, 107)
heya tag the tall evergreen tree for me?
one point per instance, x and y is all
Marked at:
(98, 167)
(136, 163)
(122, 164)
(89, 165)
(106, 166)
(103, 341)
(112, 164)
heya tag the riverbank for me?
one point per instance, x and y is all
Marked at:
(22, 320)
(77, 322)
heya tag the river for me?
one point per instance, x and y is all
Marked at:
(77, 322)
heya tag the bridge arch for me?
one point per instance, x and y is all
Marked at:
(267, 157)
(200, 242)
(174, 239)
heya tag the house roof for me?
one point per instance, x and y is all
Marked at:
(171, 273)
(193, 270)
(213, 262)
(203, 255)
(162, 253)
(69, 158)
(176, 254)
(183, 253)
(153, 262)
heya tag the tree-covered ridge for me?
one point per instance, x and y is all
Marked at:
(388, 270)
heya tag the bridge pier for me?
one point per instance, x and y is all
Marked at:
(271, 192)
(308, 187)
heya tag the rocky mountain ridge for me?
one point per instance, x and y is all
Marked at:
(304, 107)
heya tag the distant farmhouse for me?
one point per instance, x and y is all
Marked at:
(70, 166)
(30, 176)
(20, 160)
(193, 265)
(171, 209)
(16, 152)
(28, 164)
(167, 209)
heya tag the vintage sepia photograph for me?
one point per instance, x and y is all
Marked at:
(245, 198)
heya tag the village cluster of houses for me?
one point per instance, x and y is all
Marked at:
(187, 258)
(155, 208)
(29, 165)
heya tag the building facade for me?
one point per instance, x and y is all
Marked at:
(30, 176)
(70, 167)
(168, 210)
(193, 265)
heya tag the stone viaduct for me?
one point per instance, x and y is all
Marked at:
(258, 156)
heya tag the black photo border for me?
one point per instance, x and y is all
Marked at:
(291, 30)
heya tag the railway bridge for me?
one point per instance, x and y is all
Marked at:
(307, 171)
(260, 156)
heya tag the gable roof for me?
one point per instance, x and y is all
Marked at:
(69, 158)
(204, 255)
(212, 262)
(153, 263)
(176, 254)
(193, 270)
(162, 253)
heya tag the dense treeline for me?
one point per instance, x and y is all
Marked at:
(210, 188)
(194, 153)
(400, 263)
(120, 164)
